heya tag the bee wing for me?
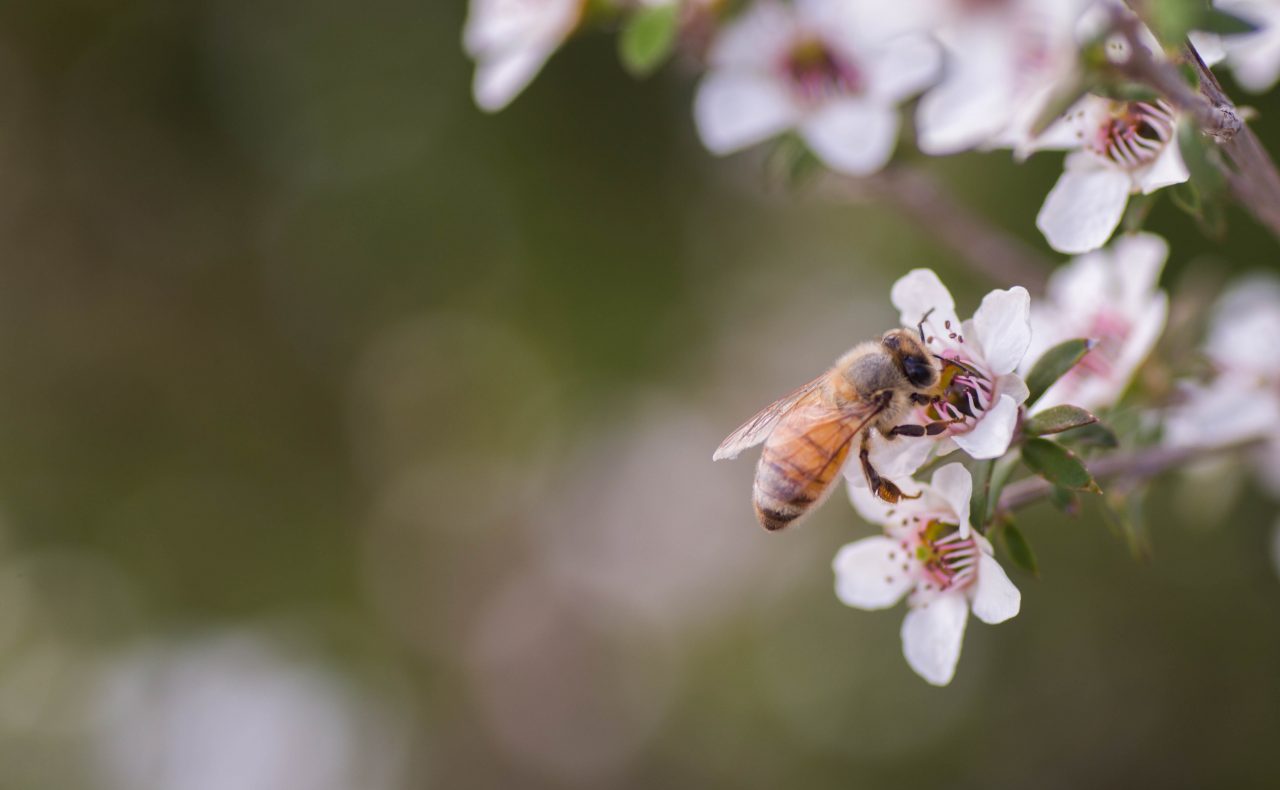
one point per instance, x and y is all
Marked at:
(757, 429)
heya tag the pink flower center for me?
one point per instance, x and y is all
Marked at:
(1136, 134)
(816, 72)
(947, 560)
(1110, 330)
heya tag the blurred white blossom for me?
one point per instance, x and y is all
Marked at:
(1113, 297)
(237, 712)
(1005, 63)
(1242, 401)
(510, 41)
(1254, 57)
(930, 554)
(829, 69)
(981, 393)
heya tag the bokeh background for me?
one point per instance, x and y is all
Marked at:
(351, 438)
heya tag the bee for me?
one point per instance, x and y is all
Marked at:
(809, 434)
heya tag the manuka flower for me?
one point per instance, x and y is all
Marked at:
(827, 69)
(1254, 57)
(1121, 148)
(1113, 297)
(981, 393)
(931, 555)
(1242, 401)
(1006, 61)
(510, 41)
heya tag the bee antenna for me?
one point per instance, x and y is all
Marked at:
(920, 326)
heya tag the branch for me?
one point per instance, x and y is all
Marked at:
(1250, 173)
(987, 249)
(1138, 465)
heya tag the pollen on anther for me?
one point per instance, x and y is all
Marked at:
(888, 580)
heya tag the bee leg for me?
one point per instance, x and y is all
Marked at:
(885, 489)
(907, 430)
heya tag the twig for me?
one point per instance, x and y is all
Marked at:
(1250, 173)
(1139, 465)
(987, 249)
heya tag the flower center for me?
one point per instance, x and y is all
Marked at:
(1110, 331)
(816, 72)
(1136, 134)
(965, 393)
(948, 559)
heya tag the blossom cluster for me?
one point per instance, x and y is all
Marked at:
(1021, 75)
(1022, 379)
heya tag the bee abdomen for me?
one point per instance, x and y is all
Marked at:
(786, 490)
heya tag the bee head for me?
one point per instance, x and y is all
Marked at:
(911, 356)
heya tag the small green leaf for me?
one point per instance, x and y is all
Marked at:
(1095, 435)
(1058, 465)
(1187, 197)
(1126, 515)
(1066, 500)
(1053, 364)
(1057, 419)
(981, 472)
(648, 38)
(1139, 208)
(1018, 549)
(1000, 473)
(790, 163)
(1215, 20)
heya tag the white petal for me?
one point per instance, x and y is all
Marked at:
(870, 507)
(991, 436)
(932, 635)
(852, 136)
(975, 99)
(757, 39)
(1209, 45)
(902, 68)
(955, 485)
(1137, 260)
(500, 79)
(895, 458)
(869, 573)
(995, 599)
(918, 292)
(1012, 385)
(1003, 327)
(734, 110)
(1168, 169)
(1083, 208)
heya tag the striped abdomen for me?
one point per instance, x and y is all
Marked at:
(801, 460)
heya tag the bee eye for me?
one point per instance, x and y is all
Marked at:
(919, 371)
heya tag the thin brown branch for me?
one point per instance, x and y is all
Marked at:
(1137, 465)
(985, 248)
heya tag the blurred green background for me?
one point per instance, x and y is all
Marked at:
(351, 438)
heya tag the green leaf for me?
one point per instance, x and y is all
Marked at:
(981, 472)
(1139, 208)
(1058, 465)
(790, 163)
(1095, 435)
(648, 38)
(1126, 515)
(1066, 500)
(1053, 364)
(1000, 473)
(1187, 197)
(1018, 549)
(1215, 20)
(1057, 420)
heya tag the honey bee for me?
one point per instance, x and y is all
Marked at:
(809, 434)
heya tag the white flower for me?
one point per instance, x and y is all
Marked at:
(930, 554)
(978, 358)
(1254, 57)
(510, 41)
(1111, 296)
(1006, 62)
(825, 68)
(1242, 401)
(1121, 148)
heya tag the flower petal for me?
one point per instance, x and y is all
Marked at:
(895, 458)
(903, 67)
(955, 485)
(1168, 169)
(870, 575)
(1083, 208)
(1012, 385)
(500, 79)
(995, 599)
(1003, 325)
(852, 136)
(735, 110)
(919, 291)
(991, 436)
(931, 637)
